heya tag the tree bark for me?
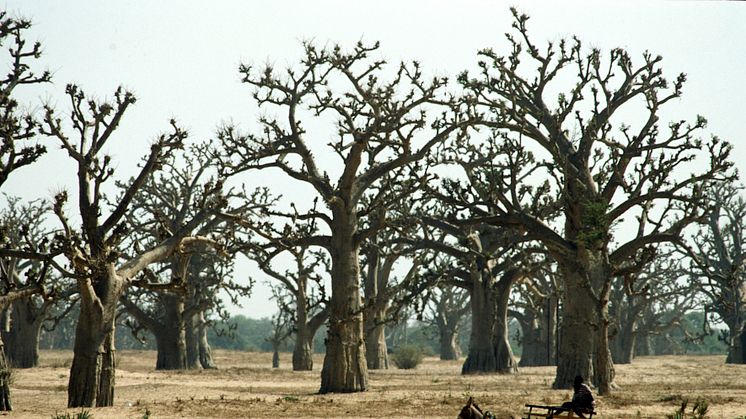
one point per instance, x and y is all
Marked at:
(345, 368)
(93, 366)
(576, 331)
(170, 335)
(539, 335)
(376, 351)
(205, 352)
(481, 356)
(489, 348)
(584, 343)
(624, 343)
(192, 342)
(643, 345)
(450, 350)
(275, 359)
(5, 404)
(22, 341)
(171, 349)
(506, 363)
(105, 395)
(303, 349)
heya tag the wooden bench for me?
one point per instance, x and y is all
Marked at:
(552, 412)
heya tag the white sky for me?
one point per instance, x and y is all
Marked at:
(181, 58)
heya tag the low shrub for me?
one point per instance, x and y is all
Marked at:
(407, 357)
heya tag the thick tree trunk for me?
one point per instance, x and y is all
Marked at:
(376, 351)
(576, 331)
(275, 359)
(22, 341)
(93, 367)
(376, 306)
(5, 404)
(623, 345)
(643, 345)
(450, 350)
(303, 349)
(539, 334)
(170, 335)
(584, 343)
(736, 340)
(205, 352)
(345, 368)
(603, 366)
(171, 349)
(105, 395)
(481, 356)
(533, 347)
(192, 342)
(489, 348)
(506, 363)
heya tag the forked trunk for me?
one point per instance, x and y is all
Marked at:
(345, 369)
(5, 404)
(489, 348)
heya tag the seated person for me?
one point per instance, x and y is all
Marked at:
(582, 398)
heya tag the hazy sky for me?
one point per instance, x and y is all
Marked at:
(181, 57)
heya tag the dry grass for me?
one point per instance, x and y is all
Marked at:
(245, 386)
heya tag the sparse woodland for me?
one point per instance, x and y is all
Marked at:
(514, 191)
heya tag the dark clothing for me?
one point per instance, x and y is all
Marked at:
(582, 400)
(583, 397)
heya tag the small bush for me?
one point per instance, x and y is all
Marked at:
(407, 357)
(699, 411)
(83, 414)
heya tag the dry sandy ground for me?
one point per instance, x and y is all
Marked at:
(245, 386)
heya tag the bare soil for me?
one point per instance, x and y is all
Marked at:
(246, 386)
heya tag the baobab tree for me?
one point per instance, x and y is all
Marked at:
(651, 301)
(536, 308)
(446, 309)
(93, 249)
(26, 227)
(382, 129)
(300, 294)
(18, 130)
(486, 264)
(166, 203)
(603, 169)
(719, 264)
